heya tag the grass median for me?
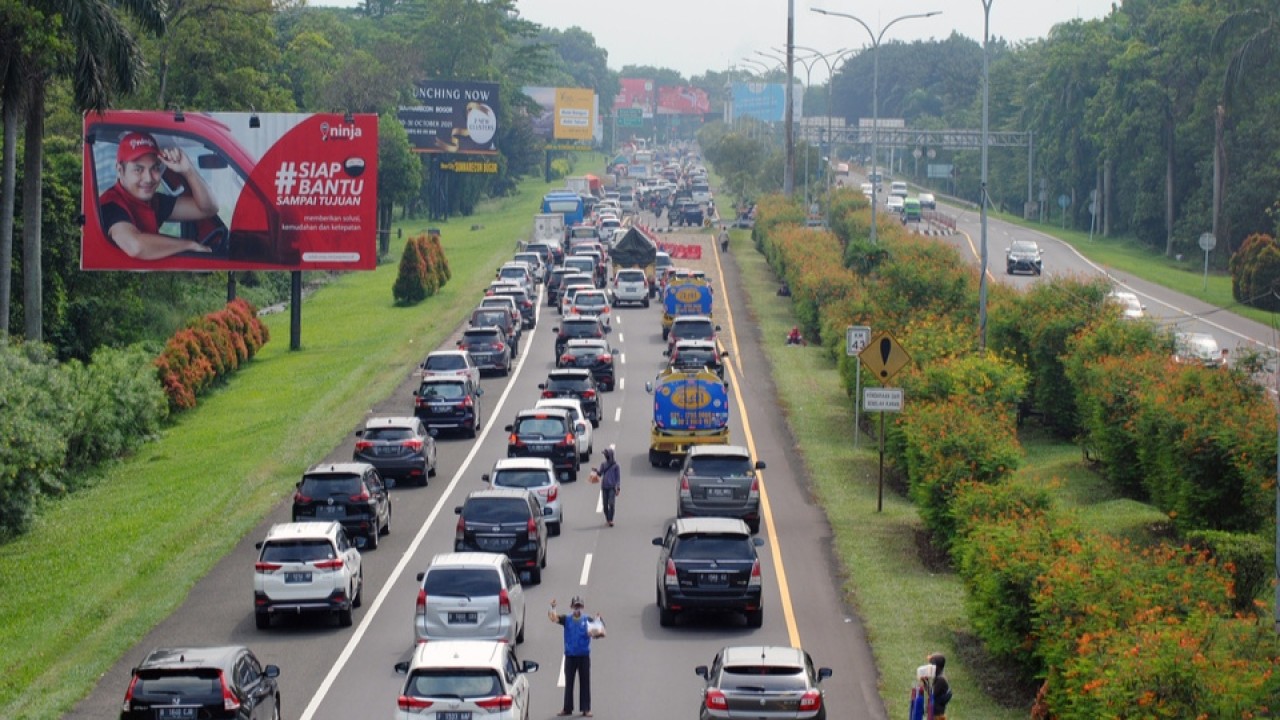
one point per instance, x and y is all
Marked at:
(100, 568)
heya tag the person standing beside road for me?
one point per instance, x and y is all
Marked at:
(579, 629)
(610, 483)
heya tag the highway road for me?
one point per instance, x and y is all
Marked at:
(641, 670)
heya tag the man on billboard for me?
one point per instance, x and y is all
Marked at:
(133, 209)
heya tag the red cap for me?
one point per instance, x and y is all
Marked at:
(136, 145)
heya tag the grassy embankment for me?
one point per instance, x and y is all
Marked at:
(909, 600)
(102, 567)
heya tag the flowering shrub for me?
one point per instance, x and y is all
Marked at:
(208, 349)
(1255, 270)
(423, 270)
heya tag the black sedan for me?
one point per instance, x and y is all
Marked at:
(591, 354)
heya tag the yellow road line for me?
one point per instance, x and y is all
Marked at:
(974, 249)
(766, 511)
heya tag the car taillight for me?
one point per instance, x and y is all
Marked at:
(406, 702)
(685, 492)
(552, 493)
(266, 567)
(414, 445)
(533, 530)
(230, 702)
(568, 441)
(495, 704)
(504, 603)
(421, 607)
(499, 347)
(606, 357)
(566, 358)
(755, 575)
(334, 564)
(755, 488)
(128, 695)
(548, 394)
(461, 531)
(810, 701)
(588, 394)
(716, 700)
(300, 498)
(363, 445)
(575, 311)
(670, 578)
(604, 309)
(362, 497)
(514, 440)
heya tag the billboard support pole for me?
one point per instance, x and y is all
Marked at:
(231, 285)
(295, 310)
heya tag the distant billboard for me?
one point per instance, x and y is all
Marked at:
(229, 191)
(567, 120)
(452, 116)
(635, 93)
(683, 100)
(766, 102)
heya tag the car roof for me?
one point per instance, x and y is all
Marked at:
(692, 318)
(719, 526)
(459, 654)
(720, 450)
(763, 655)
(443, 353)
(588, 342)
(694, 344)
(569, 372)
(551, 412)
(499, 492)
(176, 658)
(443, 379)
(525, 463)
(382, 422)
(467, 559)
(561, 403)
(303, 530)
(355, 468)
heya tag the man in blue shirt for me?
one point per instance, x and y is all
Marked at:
(579, 629)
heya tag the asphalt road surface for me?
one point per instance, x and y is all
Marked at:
(640, 670)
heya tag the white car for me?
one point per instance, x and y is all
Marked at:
(306, 567)
(534, 261)
(520, 274)
(897, 188)
(895, 203)
(1131, 308)
(451, 362)
(630, 286)
(582, 427)
(464, 679)
(592, 303)
(566, 297)
(538, 476)
(868, 189)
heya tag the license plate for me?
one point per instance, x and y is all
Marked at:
(713, 579)
(453, 715)
(388, 450)
(176, 713)
(498, 543)
(540, 448)
(719, 492)
(330, 511)
(297, 577)
(469, 618)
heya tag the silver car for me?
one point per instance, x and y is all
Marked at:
(763, 682)
(536, 475)
(470, 596)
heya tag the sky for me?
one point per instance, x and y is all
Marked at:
(693, 36)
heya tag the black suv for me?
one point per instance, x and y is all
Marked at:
(506, 521)
(593, 355)
(501, 319)
(709, 564)
(548, 433)
(720, 481)
(577, 327)
(488, 348)
(398, 447)
(449, 402)
(555, 283)
(351, 493)
(202, 682)
(576, 383)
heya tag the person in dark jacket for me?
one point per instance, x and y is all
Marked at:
(610, 483)
(941, 687)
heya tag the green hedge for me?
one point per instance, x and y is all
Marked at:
(207, 350)
(423, 270)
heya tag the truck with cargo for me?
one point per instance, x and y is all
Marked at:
(636, 250)
(580, 185)
(690, 407)
(549, 228)
(566, 203)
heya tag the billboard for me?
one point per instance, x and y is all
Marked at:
(766, 102)
(229, 191)
(635, 93)
(682, 100)
(453, 116)
(567, 120)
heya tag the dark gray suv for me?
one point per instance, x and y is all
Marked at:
(719, 481)
(505, 521)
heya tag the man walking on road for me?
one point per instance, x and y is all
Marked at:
(578, 631)
(610, 484)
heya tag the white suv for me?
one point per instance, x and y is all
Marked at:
(464, 679)
(306, 567)
(630, 286)
(469, 596)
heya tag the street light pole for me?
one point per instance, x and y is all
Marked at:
(831, 74)
(986, 94)
(875, 96)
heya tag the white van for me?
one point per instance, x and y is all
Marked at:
(898, 188)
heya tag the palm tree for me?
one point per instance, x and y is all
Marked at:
(1259, 47)
(91, 44)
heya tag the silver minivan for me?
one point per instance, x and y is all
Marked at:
(470, 596)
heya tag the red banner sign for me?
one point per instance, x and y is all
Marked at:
(229, 191)
(683, 100)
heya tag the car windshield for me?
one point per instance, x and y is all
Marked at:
(389, 434)
(497, 301)
(330, 485)
(454, 683)
(713, 547)
(496, 511)
(566, 383)
(720, 466)
(187, 684)
(763, 677)
(695, 357)
(471, 582)
(1024, 246)
(631, 276)
(589, 299)
(487, 319)
(521, 478)
(694, 330)
(586, 328)
(540, 426)
(442, 391)
(514, 273)
(446, 362)
(481, 336)
(297, 550)
(585, 351)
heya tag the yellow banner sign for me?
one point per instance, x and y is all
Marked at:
(464, 166)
